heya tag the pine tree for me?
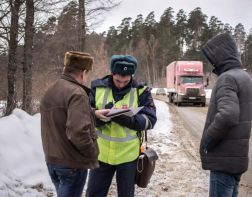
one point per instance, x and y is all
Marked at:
(247, 55)
(111, 40)
(137, 30)
(239, 36)
(168, 48)
(196, 25)
(180, 30)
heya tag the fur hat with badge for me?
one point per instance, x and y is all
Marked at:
(78, 60)
(123, 64)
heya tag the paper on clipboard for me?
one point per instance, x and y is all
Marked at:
(127, 112)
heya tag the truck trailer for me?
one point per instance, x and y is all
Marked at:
(185, 82)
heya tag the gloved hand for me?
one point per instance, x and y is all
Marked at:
(124, 120)
(209, 143)
(109, 105)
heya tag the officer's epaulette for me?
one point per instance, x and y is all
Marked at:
(100, 82)
(141, 85)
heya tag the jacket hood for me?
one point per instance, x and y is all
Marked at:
(221, 51)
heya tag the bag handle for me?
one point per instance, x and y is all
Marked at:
(141, 138)
(145, 138)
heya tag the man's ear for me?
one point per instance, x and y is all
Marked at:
(81, 75)
(86, 72)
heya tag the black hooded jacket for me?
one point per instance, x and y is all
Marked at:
(222, 53)
(225, 140)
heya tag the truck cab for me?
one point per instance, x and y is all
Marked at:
(185, 82)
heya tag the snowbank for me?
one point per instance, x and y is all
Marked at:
(208, 93)
(22, 159)
(2, 106)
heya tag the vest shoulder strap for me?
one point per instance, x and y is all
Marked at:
(140, 90)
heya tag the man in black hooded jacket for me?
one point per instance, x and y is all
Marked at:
(225, 141)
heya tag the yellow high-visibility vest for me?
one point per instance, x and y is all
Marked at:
(117, 144)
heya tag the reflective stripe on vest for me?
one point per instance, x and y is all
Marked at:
(117, 144)
(126, 130)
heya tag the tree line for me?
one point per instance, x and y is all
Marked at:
(33, 40)
(176, 36)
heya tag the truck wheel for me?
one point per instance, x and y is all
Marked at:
(203, 104)
(174, 99)
(170, 98)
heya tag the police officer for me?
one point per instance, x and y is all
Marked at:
(118, 138)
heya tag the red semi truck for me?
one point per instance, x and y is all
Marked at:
(185, 82)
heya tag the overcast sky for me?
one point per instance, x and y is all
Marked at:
(228, 11)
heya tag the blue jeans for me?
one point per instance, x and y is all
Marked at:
(224, 184)
(69, 182)
(100, 179)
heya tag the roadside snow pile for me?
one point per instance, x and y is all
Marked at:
(22, 168)
(154, 90)
(2, 106)
(208, 93)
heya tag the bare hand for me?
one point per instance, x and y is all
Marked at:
(101, 114)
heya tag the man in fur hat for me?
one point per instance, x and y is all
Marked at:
(118, 138)
(68, 127)
(225, 141)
